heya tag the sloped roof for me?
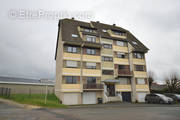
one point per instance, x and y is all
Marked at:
(70, 26)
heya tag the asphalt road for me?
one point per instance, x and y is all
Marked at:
(94, 112)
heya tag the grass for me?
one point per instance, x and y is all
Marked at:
(37, 99)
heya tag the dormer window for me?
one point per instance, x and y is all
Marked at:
(90, 38)
(104, 30)
(135, 43)
(119, 33)
(74, 35)
(88, 30)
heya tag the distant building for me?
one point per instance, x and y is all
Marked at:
(26, 86)
(96, 60)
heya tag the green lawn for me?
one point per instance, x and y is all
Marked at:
(37, 99)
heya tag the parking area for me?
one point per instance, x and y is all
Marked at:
(125, 111)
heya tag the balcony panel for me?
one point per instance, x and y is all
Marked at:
(92, 86)
(105, 77)
(71, 56)
(91, 58)
(107, 65)
(125, 72)
(71, 87)
(91, 72)
(123, 87)
(108, 52)
(139, 61)
(121, 61)
(142, 88)
(140, 74)
(71, 71)
(120, 49)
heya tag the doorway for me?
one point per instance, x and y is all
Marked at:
(111, 89)
(126, 96)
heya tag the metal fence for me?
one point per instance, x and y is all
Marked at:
(5, 91)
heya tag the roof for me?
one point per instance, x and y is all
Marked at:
(70, 26)
(14, 80)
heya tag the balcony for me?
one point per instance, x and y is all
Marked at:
(124, 72)
(93, 86)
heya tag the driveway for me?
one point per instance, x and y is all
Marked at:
(93, 112)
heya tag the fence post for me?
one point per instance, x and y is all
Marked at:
(6, 93)
(2, 91)
(29, 92)
(9, 92)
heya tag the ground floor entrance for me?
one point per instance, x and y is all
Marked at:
(126, 96)
(111, 89)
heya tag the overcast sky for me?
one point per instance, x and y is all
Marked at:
(27, 46)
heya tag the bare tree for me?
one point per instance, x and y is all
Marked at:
(151, 78)
(173, 82)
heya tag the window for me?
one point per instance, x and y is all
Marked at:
(107, 58)
(72, 49)
(108, 72)
(120, 43)
(139, 68)
(135, 43)
(88, 30)
(124, 81)
(90, 38)
(108, 46)
(71, 79)
(104, 30)
(120, 55)
(119, 33)
(91, 65)
(141, 81)
(74, 35)
(71, 63)
(138, 55)
(90, 51)
(91, 80)
(121, 67)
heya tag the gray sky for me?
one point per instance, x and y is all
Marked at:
(27, 46)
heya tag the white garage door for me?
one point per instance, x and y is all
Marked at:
(70, 98)
(141, 96)
(89, 98)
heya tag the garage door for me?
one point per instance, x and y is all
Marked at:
(141, 96)
(89, 97)
(70, 98)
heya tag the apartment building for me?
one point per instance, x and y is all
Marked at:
(96, 61)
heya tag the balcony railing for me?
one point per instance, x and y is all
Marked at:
(124, 72)
(92, 86)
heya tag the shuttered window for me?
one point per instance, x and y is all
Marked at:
(91, 65)
(141, 81)
(71, 63)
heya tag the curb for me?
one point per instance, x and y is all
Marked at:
(26, 106)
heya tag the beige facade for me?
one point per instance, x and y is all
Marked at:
(110, 69)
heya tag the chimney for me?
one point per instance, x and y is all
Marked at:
(114, 24)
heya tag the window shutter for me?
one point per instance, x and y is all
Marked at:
(71, 63)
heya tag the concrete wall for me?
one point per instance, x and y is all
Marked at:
(26, 89)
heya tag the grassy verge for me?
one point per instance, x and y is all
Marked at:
(36, 99)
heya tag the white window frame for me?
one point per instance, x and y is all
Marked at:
(70, 63)
(120, 43)
(141, 81)
(90, 38)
